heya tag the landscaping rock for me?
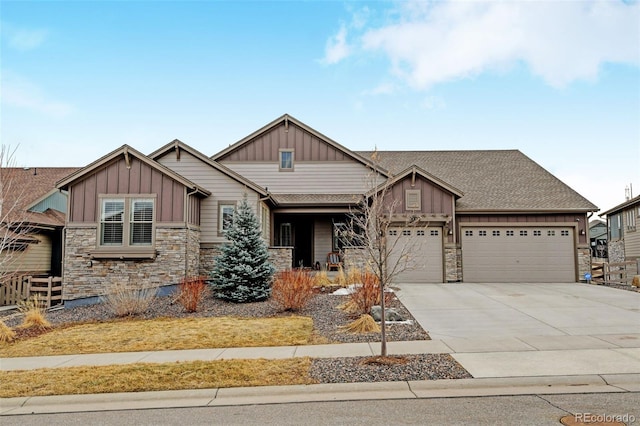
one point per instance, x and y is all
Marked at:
(391, 314)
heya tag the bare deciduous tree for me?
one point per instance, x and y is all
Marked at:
(13, 224)
(369, 228)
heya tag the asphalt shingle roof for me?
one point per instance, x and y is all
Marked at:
(23, 186)
(490, 180)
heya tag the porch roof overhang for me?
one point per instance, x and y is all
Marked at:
(316, 203)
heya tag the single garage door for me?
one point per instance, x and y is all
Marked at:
(518, 254)
(424, 247)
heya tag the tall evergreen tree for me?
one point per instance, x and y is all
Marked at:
(243, 272)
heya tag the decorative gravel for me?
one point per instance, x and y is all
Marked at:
(327, 320)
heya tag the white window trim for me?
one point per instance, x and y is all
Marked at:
(293, 155)
(128, 200)
(221, 206)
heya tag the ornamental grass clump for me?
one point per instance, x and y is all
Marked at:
(124, 301)
(190, 292)
(364, 324)
(6, 333)
(292, 289)
(321, 279)
(34, 316)
(341, 277)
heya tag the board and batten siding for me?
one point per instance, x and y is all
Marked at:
(222, 187)
(307, 177)
(433, 199)
(266, 147)
(115, 178)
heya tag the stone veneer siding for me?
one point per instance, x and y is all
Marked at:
(452, 264)
(584, 262)
(280, 257)
(615, 250)
(176, 257)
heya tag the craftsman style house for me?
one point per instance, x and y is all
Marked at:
(490, 216)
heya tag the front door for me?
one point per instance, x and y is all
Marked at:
(297, 232)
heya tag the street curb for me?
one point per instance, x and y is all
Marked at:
(616, 383)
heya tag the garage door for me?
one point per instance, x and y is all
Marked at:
(424, 248)
(518, 254)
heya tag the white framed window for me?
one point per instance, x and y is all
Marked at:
(264, 220)
(225, 215)
(126, 221)
(286, 160)
(631, 220)
(412, 199)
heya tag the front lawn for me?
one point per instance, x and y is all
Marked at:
(166, 334)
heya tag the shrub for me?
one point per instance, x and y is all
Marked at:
(124, 301)
(6, 333)
(292, 289)
(366, 294)
(33, 311)
(190, 292)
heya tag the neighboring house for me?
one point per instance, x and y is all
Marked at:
(33, 216)
(623, 223)
(492, 216)
(598, 238)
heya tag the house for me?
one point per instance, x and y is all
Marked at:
(490, 216)
(32, 213)
(624, 235)
(598, 238)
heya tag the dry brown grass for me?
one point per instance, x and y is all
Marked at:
(155, 377)
(33, 314)
(126, 301)
(364, 324)
(321, 279)
(6, 333)
(166, 334)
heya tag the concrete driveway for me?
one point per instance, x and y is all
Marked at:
(543, 313)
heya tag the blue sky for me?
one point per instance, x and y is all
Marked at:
(558, 80)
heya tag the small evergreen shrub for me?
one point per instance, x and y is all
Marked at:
(292, 289)
(190, 292)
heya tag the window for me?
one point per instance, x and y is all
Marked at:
(495, 233)
(551, 233)
(286, 160)
(615, 226)
(227, 210)
(523, 233)
(468, 233)
(412, 199)
(631, 220)
(141, 222)
(406, 232)
(482, 233)
(537, 233)
(564, 233)
(393, 232)
(286, 239)
(126, 222)
(420, 233)
(509, 233)
(434, 233)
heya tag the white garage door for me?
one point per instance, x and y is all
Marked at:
(518, 254)
(424, 249)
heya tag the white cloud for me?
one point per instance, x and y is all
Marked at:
(23, 38)
(17, 91)
(562, 41)
(337, 48)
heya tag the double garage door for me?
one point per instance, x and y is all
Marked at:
(518, 254)
(422, 248)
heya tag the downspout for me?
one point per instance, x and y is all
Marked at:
(186, 223)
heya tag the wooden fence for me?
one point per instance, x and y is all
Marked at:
(614, 273)
(20, 288)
